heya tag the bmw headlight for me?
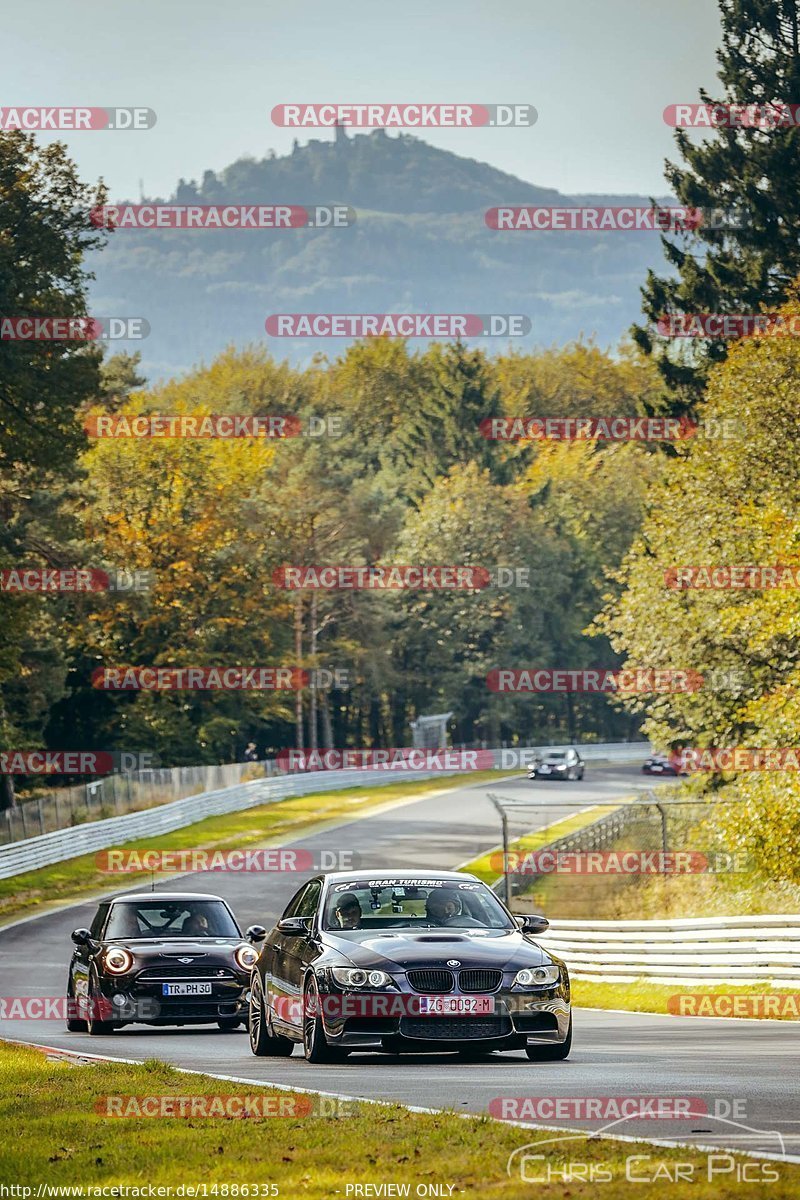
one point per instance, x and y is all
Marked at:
(118, 960)
(246, 957)
(536, 976)
(358, 978)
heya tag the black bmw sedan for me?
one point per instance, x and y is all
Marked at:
(406, 960)
(160, 958)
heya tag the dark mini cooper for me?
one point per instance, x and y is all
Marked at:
(406, 960)
(160, 958)
(558, 764)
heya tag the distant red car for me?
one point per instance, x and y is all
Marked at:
(664, 764)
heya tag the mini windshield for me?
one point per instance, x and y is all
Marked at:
(173, 919)
(386, 904)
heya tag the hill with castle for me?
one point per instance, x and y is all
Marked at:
(419, 244)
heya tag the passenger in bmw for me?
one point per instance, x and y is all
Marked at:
(446, 908)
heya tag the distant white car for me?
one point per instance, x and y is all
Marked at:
(558, 764)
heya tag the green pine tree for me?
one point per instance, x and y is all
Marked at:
(752, 170)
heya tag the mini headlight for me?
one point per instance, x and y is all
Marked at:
(536, 976)
(356, 977)
(118, 960)
(246, 957)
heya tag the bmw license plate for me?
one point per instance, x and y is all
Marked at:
(186, 989)
(456, 1006)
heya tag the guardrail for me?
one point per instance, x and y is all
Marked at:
(685, 950)
(55, 847)
(61, 844)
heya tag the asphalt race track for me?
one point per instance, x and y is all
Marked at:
(744, 1071)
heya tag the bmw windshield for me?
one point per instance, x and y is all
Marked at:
(407, 905)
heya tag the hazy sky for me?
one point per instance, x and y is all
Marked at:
(600, 73)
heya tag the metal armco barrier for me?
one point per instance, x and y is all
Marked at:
(99, 835)
(48, 848)
(684, 951)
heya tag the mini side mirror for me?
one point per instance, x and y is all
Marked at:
(81, 937)
(533, 924)
(256, 933)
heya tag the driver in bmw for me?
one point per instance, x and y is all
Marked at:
(445, 907)
(348, 912)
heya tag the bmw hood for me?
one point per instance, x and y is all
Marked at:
(433, 948)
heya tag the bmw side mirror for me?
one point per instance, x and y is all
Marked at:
(297, 926)
(256, 933)
(81, 937)
(532, 924)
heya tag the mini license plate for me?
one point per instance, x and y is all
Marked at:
(186, 989)
(456, 1006)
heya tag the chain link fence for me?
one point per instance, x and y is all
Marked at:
(116, 794)
(676, 842)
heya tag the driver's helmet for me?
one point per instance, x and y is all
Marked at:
(443, 904)
(348, 911)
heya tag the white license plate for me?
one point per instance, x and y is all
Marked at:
(456, 1006)
(186, 989)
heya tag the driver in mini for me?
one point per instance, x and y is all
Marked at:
(196, 925)
(445, 907)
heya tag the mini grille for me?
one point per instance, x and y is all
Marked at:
(175, 971)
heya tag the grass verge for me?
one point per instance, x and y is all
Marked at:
(644, 996)
(485, 866)
(267, 824)
(68, 1142)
